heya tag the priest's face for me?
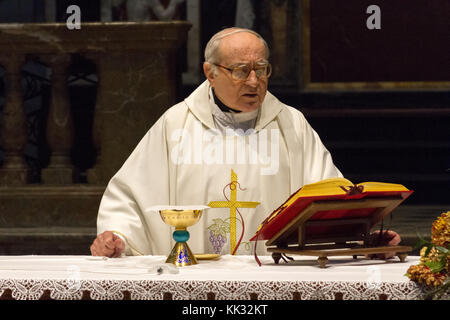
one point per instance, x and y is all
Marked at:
(243, 51)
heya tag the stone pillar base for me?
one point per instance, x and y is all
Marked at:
(14, 177)
(95, 176)
(57, 175)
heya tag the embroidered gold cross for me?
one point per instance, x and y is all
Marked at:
(233, 204)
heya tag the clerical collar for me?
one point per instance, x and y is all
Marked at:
(221, 105)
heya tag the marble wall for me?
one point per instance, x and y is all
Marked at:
(135, 67)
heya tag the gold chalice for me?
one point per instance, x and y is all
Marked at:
(181, 218)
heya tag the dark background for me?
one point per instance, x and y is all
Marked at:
(398, 136)
(411, 45)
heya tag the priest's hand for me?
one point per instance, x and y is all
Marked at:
(107, 244)
(388, 238)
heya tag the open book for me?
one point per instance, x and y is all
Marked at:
(332, 190)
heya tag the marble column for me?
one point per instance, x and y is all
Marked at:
(245, 14)
(194, 54)
(278, 23)
(50, 10)
(59, 124)
(106, 10)
(13, 127)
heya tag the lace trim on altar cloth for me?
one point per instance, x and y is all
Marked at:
(73, 289)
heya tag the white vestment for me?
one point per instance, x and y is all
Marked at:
(184, 160)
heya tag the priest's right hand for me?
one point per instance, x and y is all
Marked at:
(107, 244)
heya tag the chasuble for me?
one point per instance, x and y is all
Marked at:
(184, 159)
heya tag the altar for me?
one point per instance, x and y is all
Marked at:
(227, 278)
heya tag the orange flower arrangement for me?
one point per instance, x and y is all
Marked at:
(433, 269)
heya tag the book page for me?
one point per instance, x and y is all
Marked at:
(382, 186)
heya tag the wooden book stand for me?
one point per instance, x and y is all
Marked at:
(347, 236)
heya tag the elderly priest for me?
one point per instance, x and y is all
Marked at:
(230, 139)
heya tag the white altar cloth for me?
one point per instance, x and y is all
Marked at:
(230, 277)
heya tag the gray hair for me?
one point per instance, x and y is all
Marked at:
(212, 47)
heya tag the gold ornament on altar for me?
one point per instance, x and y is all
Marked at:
(180, 217)
(433, 270)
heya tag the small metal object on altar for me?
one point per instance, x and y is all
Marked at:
(181, 217)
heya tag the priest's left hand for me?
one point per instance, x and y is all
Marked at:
(388, 238)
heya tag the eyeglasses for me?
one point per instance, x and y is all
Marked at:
(241, 72)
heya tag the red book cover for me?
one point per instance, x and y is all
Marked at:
(330, 189)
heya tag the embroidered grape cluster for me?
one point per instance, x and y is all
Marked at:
(218, 234)
(217, 241)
